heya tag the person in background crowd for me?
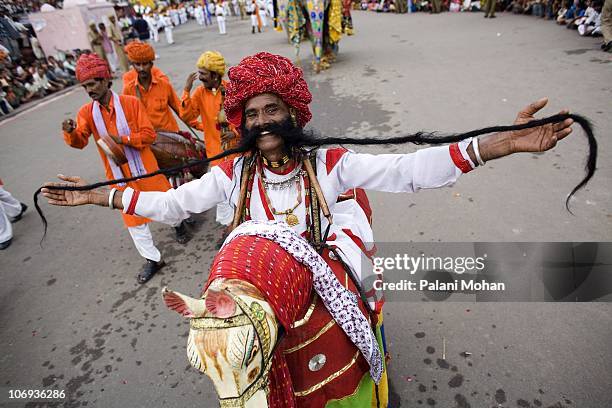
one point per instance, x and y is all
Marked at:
(11, 211)
(107, 45)
(142, 28)
(167, 21)
(95, 39)
(606, 26)
(220, 13)
(117, 38)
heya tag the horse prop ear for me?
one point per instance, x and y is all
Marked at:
(183, 304)
(220, 304)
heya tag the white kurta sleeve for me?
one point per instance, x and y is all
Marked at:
(175, 205)
(396, 173)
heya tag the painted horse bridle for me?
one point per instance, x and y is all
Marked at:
(255, 316)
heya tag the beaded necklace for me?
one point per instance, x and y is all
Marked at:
(256, 167)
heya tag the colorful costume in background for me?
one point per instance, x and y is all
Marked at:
(126, 118)
(321, 21)
(340, 378)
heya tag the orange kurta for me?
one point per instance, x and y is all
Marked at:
(132, 75)
(142, 135)
(158, 100)
(205, 104)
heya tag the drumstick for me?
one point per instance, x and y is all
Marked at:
(317, 189)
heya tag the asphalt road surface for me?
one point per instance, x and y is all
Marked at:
(72, 316)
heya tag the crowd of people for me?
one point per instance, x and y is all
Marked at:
(26, 73)
(585, 16)
(588, 17)
(150, 23)
(23, 83)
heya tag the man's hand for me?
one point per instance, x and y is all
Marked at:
(190, 79)
(541, 138)
(537, 139)
(69, 125)
(66, 198)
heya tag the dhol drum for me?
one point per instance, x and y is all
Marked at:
(174, 149)
(112, 150)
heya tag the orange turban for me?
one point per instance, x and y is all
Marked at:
(91, 66)
(138, 51)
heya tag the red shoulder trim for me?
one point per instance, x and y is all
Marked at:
(333, 156)
(458, 159)
(228, 168)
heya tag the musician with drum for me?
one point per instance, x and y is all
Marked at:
(123, 134)
(152, 86)
(206, 102)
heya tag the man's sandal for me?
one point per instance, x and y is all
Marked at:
(150, 269)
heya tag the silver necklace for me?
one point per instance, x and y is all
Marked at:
(284, 182)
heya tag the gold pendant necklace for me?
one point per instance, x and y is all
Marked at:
(290, 218)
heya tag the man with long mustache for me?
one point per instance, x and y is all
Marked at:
(279, 179)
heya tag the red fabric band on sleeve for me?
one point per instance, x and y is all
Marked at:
(133, 201)
(458, 159)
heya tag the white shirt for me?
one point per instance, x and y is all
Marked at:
(337, 172)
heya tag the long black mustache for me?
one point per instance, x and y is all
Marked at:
(292, 135)
(297, 137)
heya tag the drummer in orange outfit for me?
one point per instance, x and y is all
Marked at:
(123, 120)
(206, 102)
(149, 84)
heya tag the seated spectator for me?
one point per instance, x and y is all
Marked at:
(537, 8)
(42, 81)
(580, 9)
(590, 24)
(33, 88)
(19, 73)
(56, 69)
(5, 106)
(572, 11)
(70, 65)
(53, 78)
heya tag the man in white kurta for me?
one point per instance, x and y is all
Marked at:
(220, 13)
(267, 95)
(338, 170)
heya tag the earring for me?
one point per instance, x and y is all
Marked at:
(293, 118)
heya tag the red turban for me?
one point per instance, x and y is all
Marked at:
(266, 73)
(91, 66)
(138, 51)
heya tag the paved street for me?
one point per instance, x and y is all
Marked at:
(73, 317)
